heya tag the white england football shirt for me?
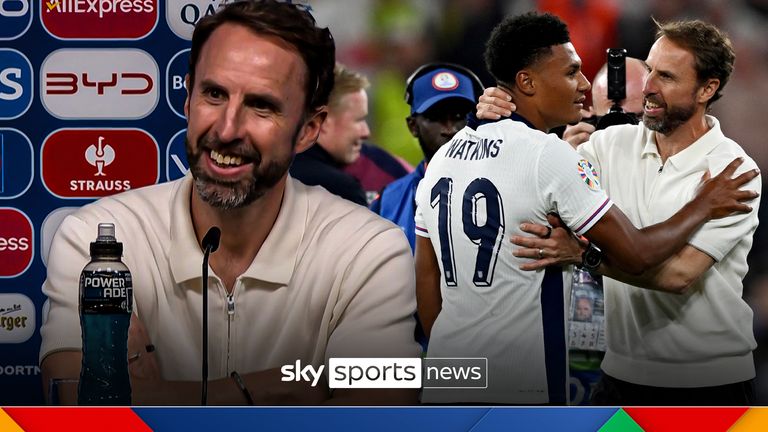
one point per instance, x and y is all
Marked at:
(477, 191)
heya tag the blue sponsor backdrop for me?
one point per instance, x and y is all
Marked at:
(25, 123)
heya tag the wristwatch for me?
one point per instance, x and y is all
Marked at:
(592, 257)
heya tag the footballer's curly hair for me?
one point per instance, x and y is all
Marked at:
(520, 41)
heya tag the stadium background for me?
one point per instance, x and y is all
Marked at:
(94, 97)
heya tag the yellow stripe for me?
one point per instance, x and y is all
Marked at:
(754, 420)
(7, 424)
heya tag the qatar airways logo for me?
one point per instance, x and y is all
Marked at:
(99, 19)
(99, 84)
(92, 163)
(183, 15)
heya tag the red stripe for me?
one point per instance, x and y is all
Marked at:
(418, 228)
(685, 419)
(607, 200)
(85, 419)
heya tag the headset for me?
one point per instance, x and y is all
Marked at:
(422, 70)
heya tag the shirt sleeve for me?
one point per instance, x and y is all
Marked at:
(718, 237)
(569, 185)
(421, 200)
(69, 253)
(589, 151)
(377, 302)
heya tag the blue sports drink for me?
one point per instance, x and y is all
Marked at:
(106, 295)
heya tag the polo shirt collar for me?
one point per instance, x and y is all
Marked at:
(694, 153)
(277, 257)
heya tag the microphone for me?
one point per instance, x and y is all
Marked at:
(210, 243)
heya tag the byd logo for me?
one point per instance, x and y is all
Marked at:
(15, 18)
(99, 84)
(68, 83)
(99, 19)
(16, 242)
(92, 163)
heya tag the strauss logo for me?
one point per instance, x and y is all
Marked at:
(100, 156)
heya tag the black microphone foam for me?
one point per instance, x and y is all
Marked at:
(211, 239)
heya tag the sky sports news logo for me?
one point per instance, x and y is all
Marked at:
(99, 19)
(432, 373)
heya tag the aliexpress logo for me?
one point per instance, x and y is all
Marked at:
(92, 163)
(99, 19)
(16, 242)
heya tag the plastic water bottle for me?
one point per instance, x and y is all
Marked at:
(106, 295)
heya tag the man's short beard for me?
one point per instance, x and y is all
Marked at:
(240, 194)
(672, 119)
(234, 195)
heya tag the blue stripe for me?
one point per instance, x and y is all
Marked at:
(384, 419)
(553, 316)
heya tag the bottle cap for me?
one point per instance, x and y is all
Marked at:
(106, 244)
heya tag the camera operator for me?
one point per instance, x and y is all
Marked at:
(629, 108)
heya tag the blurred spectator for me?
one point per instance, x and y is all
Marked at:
(375, 169)
(633, 103)
(440, 96)
(463, 30)
(340, 140)
(401, 45)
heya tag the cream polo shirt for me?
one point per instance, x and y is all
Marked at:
(702, 338)
(331, 280)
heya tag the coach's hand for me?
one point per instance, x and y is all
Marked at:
(494, 104)
(553, 245)
(721, 196)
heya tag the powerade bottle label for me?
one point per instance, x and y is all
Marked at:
(105, 315)
(106, 292)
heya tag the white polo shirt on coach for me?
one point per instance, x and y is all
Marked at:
(704, 337)
(332, 279)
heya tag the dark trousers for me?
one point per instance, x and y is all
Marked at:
(615, 392)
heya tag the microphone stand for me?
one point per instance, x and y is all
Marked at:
(210, 243)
